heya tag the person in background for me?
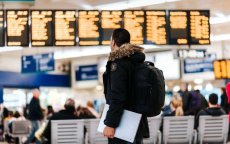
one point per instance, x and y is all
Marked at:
(90, 107)
(35, 115)
(224, 100)
(185, 97)
(67, 113)
(176, 106)
(10, 115)
(213, 109)
(50, 111)
(16, 117)
(85, 113)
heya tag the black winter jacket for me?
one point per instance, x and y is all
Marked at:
(118, 85)
(35, 110)
(209, 111)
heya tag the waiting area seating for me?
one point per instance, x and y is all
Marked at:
(175, 130)
(213, 129)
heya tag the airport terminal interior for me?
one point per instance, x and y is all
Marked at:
(56, 51)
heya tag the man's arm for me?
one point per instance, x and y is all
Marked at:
(118, 93)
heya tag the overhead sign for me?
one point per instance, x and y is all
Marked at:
(86, 72)
(38, 63)
(222, 69)
(191, 53)
(199, 65)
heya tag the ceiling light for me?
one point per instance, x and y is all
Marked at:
(218, 20)
(198, 81)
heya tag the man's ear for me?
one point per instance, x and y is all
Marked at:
(113, 43)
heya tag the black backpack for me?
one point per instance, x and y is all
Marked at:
(149, 89)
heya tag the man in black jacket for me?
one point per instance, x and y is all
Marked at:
(118, 85)
(212, 110)
(35, 115)
(67, 113)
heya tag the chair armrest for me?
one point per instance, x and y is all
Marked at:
(195, 136)
(159, 136)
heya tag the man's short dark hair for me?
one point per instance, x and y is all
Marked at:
(121, 36)
(213, 99)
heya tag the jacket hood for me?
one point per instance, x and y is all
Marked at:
(128, 50)
(214, 111)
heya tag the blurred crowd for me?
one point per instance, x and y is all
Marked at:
(41, 118)
(182, 103)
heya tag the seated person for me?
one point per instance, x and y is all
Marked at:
(16, 117)
(67, 113)
(176, 108)
(212, 110)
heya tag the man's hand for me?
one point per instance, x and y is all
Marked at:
(109, 132)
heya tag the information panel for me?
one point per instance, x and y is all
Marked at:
(42, 28)
(156, 27)
(17, 27)
(88, 27)
(222, 69)
(38, 63)
(65, 28)
(110, 20)
(178, 27)
(86, 72)
(134, 23)
(199, 27)
(2, 38)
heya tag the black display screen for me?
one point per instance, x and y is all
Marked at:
(2, 31)
(156, 27)
(88, 27)
(110, 20)
(134, 23)
(65, 28)
(199, 27)
(17, 27)
(178, 27)
(42, 28)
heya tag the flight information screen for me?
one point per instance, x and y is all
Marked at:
(2, 36)
(178, 27)
(156, 27)
(199, 27)
(110, 20)
(88, 27)
(222, 69)
(17, 27)
(134, 23)
(65, 28)
(42, 28)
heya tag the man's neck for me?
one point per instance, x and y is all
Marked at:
(213, 106)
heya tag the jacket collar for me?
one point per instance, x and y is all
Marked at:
(126, 50)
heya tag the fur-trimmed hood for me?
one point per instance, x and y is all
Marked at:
(126, 50)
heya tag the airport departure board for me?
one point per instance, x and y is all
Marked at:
(17, 27)
(110, 20)
(134, 23)
(65, 28)
(2, 32)
(199, 27)
(88, 27)
(222, 69)
(178, 27)
(156, 27)
(42, 28)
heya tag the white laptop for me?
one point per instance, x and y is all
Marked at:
(128, 126)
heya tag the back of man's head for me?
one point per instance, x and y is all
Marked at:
(121, 36)
(70, 104)
(213, 99)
